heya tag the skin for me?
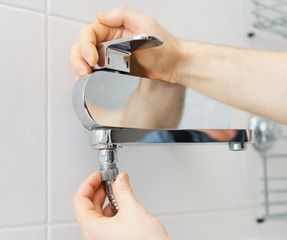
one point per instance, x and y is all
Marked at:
(250, 80)
(132, 222)
(254, 81)
(85, 55)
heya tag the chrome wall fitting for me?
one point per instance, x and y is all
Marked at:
(266, 133)
(107, 138)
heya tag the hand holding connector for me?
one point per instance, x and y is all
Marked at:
(103, 224)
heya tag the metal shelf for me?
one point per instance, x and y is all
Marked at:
(276, 191)
(271, 16)
(266, 133)
(275, 179)
(267, 203)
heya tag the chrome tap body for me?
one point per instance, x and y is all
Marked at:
(108, 139)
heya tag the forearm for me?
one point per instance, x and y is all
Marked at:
(155, 105)
(254, 81)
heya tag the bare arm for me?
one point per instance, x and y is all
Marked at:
(254, 81)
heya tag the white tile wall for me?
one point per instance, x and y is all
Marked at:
(65, 231)
(24, 233)
(71, 158)
(275, 230)
(184, 178)
(210, 21)
(212, 225)
(23, 117)
(198, 192)
(38, 5)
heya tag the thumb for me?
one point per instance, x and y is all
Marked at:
(123, 193)
(123, 16)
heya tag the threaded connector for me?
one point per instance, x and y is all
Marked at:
(107, 160)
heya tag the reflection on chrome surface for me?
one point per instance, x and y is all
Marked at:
(130, 135)
(119, 108)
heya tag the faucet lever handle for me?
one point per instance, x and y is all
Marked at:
(117, 52)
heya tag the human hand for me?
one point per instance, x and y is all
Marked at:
(131, 222)
(159, 63)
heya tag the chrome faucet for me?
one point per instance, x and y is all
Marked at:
(108, 139)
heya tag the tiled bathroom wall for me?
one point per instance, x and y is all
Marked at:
(197, 192)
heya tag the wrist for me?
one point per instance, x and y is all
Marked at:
(182, 64)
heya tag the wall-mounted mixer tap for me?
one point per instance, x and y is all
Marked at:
(91, 96)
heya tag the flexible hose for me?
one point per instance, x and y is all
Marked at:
(110, 195)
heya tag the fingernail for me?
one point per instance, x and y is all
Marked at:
(124, 177)
(103, 14)
(89, 58)
(81, 73)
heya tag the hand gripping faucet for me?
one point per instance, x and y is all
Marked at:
(108, 139)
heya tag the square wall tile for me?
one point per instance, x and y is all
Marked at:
(209, 21)
(252, 178)
(25, 233)
(226, 225)
(71, 157)
(39, 5)
(184, 178)
(65, 231)
(23, 118)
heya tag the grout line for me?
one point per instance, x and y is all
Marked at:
(21, 226)
(8, 5)
(68, 18)
(220, 210)
(63, 223)
(48, 207)
(13, 6)
(33, 225)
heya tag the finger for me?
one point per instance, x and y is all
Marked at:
(82, 202)
(123, 193)
(89, 186)
(99, 198)
(108, 211)
(80, 66)
(123, 16)
(90, 36)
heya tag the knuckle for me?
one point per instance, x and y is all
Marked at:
(124, 188)
(83, 31)
(123, 8)
(151, 20)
